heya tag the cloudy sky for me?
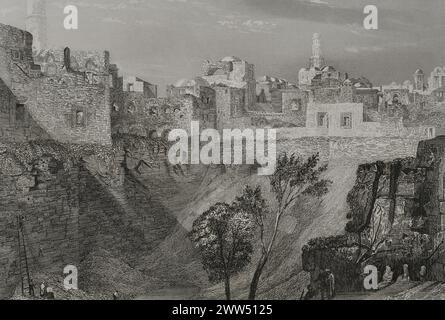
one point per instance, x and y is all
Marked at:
(165, 40)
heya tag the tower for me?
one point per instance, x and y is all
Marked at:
(36, 23)
(419, 80)
(317, 60)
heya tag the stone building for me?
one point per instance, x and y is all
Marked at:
(70, 102)
(266, 84)
(436, 79)
(187, 86)
(235, 73)
(151, 117)
(133, 84)
(439, 94)
(230, 104)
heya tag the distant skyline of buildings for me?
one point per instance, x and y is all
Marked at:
(37, 23)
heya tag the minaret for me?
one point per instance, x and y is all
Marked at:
(317, 60)
(419, 80)
(36, 23)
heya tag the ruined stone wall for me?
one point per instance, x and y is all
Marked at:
(370, 100)
(71, 109)
(71, 209)
(372, 149)
(223, 108)
(305, 147)
(53, 100)
(52, 61)
(46, 197)
(142, 116)
(121, 218)
(15, 53)
(16, 124)
(356, 150)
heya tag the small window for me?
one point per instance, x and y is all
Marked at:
(80, 118)
(346, 120)
(296, 104)
(20, 113)
(322, 119)
(15, 54)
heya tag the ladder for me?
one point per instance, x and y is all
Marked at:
(23, 259)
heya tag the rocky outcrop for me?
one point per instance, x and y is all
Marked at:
(396, 217)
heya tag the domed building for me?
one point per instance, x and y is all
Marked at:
(187, 86)
(318, 73)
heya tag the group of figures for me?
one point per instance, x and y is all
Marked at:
(388, 276)
(324, 287)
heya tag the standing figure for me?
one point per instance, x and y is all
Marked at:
(31, 288)
(405, 275)
(43, 289)
(422, 274)
(323, 282)
(331, 284)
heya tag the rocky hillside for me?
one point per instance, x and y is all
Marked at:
(282, 278)
(128, 212)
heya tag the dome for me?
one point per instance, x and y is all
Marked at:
(419, 71)
(230, 59)
(328, 69)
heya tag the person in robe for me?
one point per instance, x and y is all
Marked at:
(331, 284)
(387, 278)
(43, 289)
(323, 282)
(405, 275)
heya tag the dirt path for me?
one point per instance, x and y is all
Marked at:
(171, 294)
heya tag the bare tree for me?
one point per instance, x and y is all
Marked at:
(293, 177)
(372, 238)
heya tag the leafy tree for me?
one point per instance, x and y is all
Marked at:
(224, 236)
(293, 177)
(372, 238)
